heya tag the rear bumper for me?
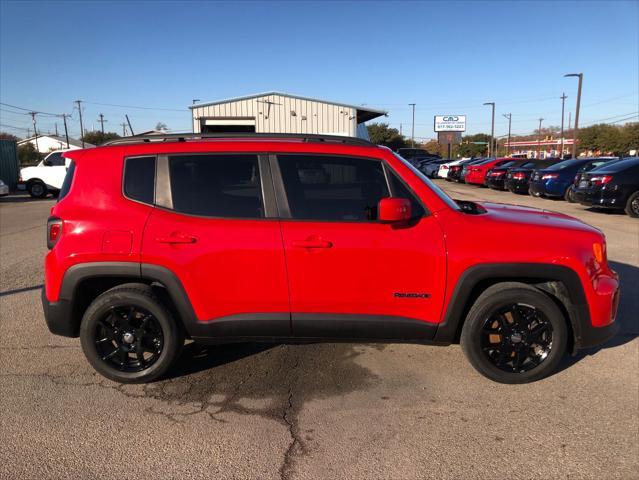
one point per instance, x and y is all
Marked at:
(496, 183)
(58, 316)
(517, 186)
(600, 197)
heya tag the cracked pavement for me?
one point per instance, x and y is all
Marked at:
(309, 411)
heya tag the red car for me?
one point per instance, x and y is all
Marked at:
(305, 239)
(476, 174)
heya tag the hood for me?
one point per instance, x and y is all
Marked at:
(516, 214)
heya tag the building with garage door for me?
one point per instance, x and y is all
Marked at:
(275, 112)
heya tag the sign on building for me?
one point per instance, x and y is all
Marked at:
(450, 123)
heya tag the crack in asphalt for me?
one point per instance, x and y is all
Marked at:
(296, 447)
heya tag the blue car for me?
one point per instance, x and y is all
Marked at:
(557, 180)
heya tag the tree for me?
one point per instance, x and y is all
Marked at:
(382, 134)
(96, 137)
(28, 155)
(161, 126)
(469, 148)
(8, 136)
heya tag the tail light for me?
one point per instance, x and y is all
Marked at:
(549, 176)
(600, 179)
(496, 174)
(54, 231)
(519, 176)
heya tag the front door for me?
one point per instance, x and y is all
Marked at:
(351, 276)
(214, 231)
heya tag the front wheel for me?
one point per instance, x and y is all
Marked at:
(632, 207)
(514, 333)
(570, 195)
(129, 336)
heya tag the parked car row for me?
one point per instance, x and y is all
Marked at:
(601, 182)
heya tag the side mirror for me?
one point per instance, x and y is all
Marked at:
(394, 210)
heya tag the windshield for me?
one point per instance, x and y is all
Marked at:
(438, 191)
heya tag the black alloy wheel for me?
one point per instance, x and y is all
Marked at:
(515, 333)
(129, 338)
(516, 338)
(632, 208)
(129, 335)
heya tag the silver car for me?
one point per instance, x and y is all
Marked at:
(4, 189)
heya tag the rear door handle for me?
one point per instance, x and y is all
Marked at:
(312, 244)
(173, 239)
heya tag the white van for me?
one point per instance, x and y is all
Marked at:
(46, 177)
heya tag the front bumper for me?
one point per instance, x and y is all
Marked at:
(58, 316)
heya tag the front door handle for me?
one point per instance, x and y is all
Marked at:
(312, 244)
(173, 239)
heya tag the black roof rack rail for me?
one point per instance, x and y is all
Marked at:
(183, 137)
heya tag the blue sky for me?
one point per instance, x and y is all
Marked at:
(448, 58)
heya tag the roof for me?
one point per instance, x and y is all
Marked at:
(59, 138)
(363, 113)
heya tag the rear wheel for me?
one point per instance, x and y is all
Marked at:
(632, 207)
(514, 333)
(129, 336)
(37, 189)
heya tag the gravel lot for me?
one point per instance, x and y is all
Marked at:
(310, 411)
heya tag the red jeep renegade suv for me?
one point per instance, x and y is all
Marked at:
(306, 239)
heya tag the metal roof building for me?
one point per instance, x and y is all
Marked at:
(276, 112)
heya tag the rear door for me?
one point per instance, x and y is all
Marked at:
(350, 275)
(215, 228)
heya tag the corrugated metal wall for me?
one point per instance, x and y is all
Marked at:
(283, 114)
(9, 169)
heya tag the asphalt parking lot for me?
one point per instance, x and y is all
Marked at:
(310, 411)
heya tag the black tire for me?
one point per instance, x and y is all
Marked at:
(37, 189)
(570, 195)
(478, 331)
(165, 337)
(632, 206)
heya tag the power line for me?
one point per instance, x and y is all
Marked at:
(28, 110)
(138, 107)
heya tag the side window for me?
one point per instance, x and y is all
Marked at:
(322, 187)
(216, 185)
(55, 160)
(139, 179)
(401, 190)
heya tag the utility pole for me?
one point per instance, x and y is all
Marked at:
(575, 134)
(492, 129)
(35, 130)
(123, 125)
(563, 101)
(539, 139)
(66, 132)
(129, 122)
(509, 116)
(400, 129)
(79, 102)
(412, 135)
(102, 120)
(56, 129)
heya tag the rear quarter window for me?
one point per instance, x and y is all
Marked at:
(68, 180)
(139, 179)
